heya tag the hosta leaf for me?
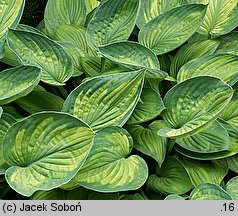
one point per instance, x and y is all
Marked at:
(18, 82)
(224, 66)
(205, 172)
(149, 107)
(203, 156)
(136, 196)
(230, 114)
(113, 21)
(38, 101)
(208, 191)
(91, 4)
(171, 29)
(233, 163)
(10, 57)
(229, 44)
(221, 17)
(193, 104)
(232, 187)
(37, 50)
(174, 197)
(92, 66)
(10, 15)
(106, 100)
(213, 139)
(148, 141)
(6, 121)
(131, 53)
(151, 8)
(59, 194)
(172, 179)
(192, 51)
(74, 35)
(45, 151)
(62, 12)
(75, 53)
(108, 167)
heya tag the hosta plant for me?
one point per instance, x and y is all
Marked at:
(119, 99)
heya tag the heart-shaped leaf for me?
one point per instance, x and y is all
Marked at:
(205, 172)
(106, 100)
(40, 51)
(221, 17)
(62, 12)
(172, 28)
(108, 167)
(148, 141)
(232, 187)
(193, 104)
(10, 15)
(113, 21)
(230, 114)
(192, 51)
(172, 178)
(151, 8)
(45, 151)
(149, 107)
(6, 121)
(213, 139)
(208, 191)
(18, 82)
(131, 53)
(224, 66)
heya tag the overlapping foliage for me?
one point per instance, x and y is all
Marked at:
(120, 99)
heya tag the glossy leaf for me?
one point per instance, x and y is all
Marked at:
(149, 107)
(192, 51)
(171, 29)
(172, 178)
(152, 8)
(6, 121)
(220, 17)
(106, 100)
(230, 114)
(109, 168)
(18, 82)
(223, 66)
(193, 104)
(147, 141)
(205, 172)
(10, 15)
(45, 151)
(213, 139)
(208, 191)
(37, 50)
(132, 54)
(232, 187)
(62, 12)
(113, 21)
